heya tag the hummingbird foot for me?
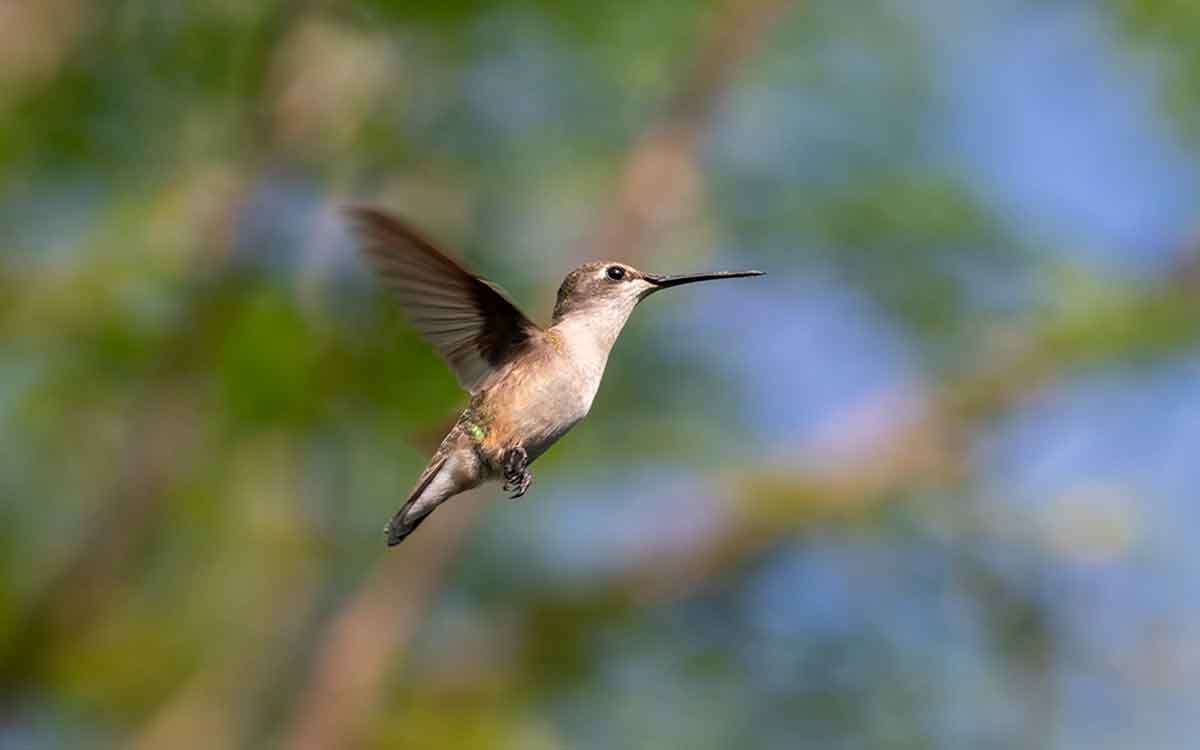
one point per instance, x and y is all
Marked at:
(517, 476)
(519, 485)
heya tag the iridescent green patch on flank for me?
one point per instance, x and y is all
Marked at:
(476, 426)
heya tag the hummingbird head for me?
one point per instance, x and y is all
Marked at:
(610, 290)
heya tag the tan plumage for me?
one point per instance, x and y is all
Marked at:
(528, 385)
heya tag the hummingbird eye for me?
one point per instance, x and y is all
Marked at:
(616, 273)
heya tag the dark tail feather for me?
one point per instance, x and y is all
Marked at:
(398, 529)
(401, 526)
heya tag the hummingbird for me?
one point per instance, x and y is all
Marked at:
(528, 385)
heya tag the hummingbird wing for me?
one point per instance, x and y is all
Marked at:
(468, 319)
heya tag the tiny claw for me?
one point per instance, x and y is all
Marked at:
(515, 461)
(517, 477)
(520, 486)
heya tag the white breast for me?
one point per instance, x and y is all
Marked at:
(566, 391)
(586, 355)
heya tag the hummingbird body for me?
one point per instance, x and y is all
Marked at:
(529, 385)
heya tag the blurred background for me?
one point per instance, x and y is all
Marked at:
(931, 483)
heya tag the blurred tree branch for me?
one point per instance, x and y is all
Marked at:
(362, 643)
(660, 175)
(140, 619)
(160, 441)
(930, 448)
(771, 505)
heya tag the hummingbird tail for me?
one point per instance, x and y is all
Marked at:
(415, 509)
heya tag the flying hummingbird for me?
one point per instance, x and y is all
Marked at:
(528, 384)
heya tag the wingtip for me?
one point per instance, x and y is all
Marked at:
(361, 214)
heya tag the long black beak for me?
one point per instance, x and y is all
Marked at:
(662, 282)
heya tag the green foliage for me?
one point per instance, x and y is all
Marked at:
(1165, 31)
(208, 408)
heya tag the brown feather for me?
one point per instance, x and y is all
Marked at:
(468, 319)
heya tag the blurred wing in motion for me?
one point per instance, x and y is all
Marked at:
(469, 320)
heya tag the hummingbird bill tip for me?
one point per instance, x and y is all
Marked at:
(662, 282)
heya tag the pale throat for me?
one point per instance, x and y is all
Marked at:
(590, 334)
